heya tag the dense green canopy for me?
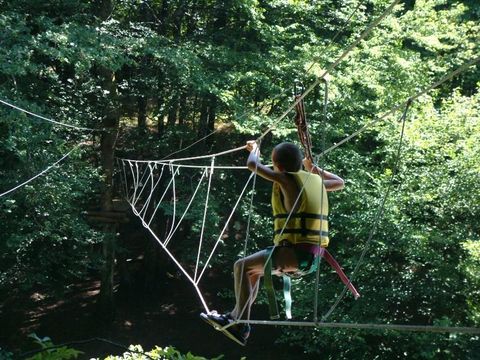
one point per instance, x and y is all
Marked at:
(165, 73)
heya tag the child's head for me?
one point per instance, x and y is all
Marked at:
(287, 157)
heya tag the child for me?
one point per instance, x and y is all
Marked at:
(297, 196)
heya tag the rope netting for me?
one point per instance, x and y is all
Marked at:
(151, 189)
(156, 193)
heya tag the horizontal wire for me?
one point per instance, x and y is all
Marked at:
(321, 78)
(47, 119)
(403, 104)
(209, 156)
(396, 327)
(42, 172)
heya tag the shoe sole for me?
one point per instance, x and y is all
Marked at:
(227, 333)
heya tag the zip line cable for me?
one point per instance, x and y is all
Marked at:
(321, 78)
(370, 27)
(47, 119)
(306, 92)
(403, 104)
(278, 95)
(378, 214)
(336, 35)
(390, 327)
(42, 172)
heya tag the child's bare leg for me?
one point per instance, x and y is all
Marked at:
(248, 271)
(246, 275)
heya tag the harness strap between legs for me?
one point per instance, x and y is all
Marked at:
(287, 294)
(272, 301)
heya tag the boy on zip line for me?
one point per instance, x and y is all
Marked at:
(299, 197)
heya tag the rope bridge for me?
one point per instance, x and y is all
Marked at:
(145, 176)
(149, 184)
(141, 181)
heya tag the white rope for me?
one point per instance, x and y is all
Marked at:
(209, 156)
(137, 183)
(160, 177)
(153, 185)
(331, 67)
(205, 210)
(142, 182)
(224, 228)
(181, 268)
(125, 176)
(390, 327)
(42, 172)
(167, 240)
(135, 187)
(191, 166)
(47, 119)
(161, 199)
(403, 104)
(216, 167)
(174, 199)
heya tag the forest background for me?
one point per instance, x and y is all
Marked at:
(157, 76)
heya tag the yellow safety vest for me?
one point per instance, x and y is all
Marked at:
(309, 223)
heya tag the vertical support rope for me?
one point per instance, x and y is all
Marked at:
(163, 195)
(247, 238)
(137, 184)
(174, 193)
(148, 180)
(168, 238)
(134, 178)
(378, 214)
(147, 202)
(125, 177)
(212, 166)
(225, 227)
(317, 273)
(142, 183)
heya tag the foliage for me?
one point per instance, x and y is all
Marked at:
(183, 69)
(166, 353)
(52, 352)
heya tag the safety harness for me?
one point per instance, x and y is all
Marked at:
(308, 254)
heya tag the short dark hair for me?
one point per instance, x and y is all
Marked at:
(289, 156)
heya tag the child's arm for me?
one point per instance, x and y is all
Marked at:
(254, 165)
(331, 181)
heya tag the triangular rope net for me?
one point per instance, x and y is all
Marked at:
(170, 197)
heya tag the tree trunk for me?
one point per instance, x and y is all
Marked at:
(173, 112)
(183, 109)
(110, 124)
(163, 17)
(107, 148)
(142, 112)
(202, 122)
(212, 110)
(178, 16)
